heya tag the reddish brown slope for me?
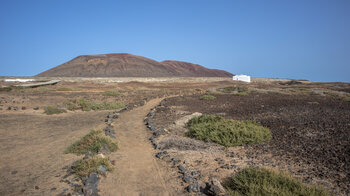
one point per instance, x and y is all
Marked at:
(194, 70)
(128, 65)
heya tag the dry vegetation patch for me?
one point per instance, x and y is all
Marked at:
(227, 132)
(49, 110)
(112, 93)
(207, 97)
(84, 167)
(260, 181)
(86, 105)
(92, 142)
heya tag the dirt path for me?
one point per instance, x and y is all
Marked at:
(136, 171)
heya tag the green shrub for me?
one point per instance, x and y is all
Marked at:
(244, 93)
(231, 89)
(112, 93)
(86, 105)
(49, 110)
(347, 99)
(227, 132)
(84, 167)
(207, 97)
(5, 89)
(67, 89)
(254, 181)
(92, 142)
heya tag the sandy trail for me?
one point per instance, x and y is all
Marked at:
(136, 171)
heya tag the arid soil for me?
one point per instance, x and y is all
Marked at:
(310, 134)
(309, 123)
(136, 171)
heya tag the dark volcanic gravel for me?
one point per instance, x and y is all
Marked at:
(306, 129)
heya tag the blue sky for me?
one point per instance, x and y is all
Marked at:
(299, 39)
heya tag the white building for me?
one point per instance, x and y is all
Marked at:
(243, 78)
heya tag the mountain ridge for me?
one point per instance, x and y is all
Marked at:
(129, 65)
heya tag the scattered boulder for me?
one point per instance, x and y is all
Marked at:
(36, 108)
(24, 108)
(102, 170)
(88, 155)
(161, 154)
(187, 178)
(109, 131)
(215, 188)
(182, 169)
(184, 120)
(104, 149)
(159, 132)
(9, 108)
(90, 185)
(194, 187)
(15, 108)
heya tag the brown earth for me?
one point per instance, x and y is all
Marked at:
(310, 135)
(309, 122)
(136, 171)
(128, 65)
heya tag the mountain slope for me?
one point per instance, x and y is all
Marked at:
(128, 65)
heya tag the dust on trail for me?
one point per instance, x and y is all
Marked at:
(136, 171)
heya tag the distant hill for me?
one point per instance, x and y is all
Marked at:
(128, 65)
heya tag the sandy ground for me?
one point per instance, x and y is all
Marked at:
(32, 147)
(32, 143)
(136, 171)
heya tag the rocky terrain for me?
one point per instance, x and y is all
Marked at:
(309, 124)
(128, 65)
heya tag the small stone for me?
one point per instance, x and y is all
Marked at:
(88, 155)
(161, 154)
(115, 115)
(90, 188)
(215, 188)
(104, 149)
(9, 108)
(159, 132)
(14, 172)
(36, 108)
(53, 189)
(108, 120)
(24, 108)
(182, 169)
(194, 187)
(15, 108)
(102, 169)
(220, 160)
(187, 178)
(36, 187)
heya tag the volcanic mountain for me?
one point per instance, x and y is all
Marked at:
(128, 65)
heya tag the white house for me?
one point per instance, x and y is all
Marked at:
(243, 78)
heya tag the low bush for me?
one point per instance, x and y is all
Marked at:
(92, 142)
(227, 132)
(253, 181)
(347, 99)
(49, 110)
(112, 93)
(207, 97)
(86, 105)
(232, 89)
(84, 167)
(67, 89)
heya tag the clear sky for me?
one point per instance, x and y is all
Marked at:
(299, 39)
